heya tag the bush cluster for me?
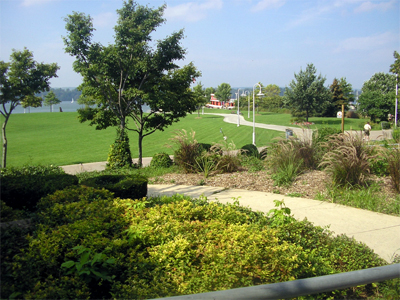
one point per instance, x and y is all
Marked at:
(119, 155)
(22, 188)
(167, 246)
(123, 186)
(161, 160)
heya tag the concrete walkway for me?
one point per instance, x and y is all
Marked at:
(302, 133)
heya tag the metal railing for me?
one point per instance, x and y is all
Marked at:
(301, 287)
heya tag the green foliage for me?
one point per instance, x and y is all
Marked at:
(89, 267)
(252, 163)
(166, 246)
(378, 94)
(229, 159)
(23, 187)
(307, 92)
(207, 163)
(323, 134)
(161, 160)
(21, 79)
(223, 92)
(121, 83)
(347, 160)
(369, 198)
(392, 157)
(123, 186)
(396, 135)
(385, 125)
(120, 153)
(250, 150)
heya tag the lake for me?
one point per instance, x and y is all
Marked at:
(66, 106)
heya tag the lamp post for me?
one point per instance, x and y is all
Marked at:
(254, 114)
(238, 110)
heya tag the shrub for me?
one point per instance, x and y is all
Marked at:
(22, 188)
(205, 147)
(252, 163)
(250, 150)
(347, 160)
(171, 246)
(187, 152)
(119, 155)
(228, 157)
(351, 114)
(161, 160)
(396, 135)
(323, 134)
(385, 125)
(123, 186)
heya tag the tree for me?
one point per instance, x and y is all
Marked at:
(378, 95)
(20, 80)
(272, 98)
(306, 93)
(223, 92)
(124, 76)
(347, 89)
(50, 99)
(208, 91)
(201, 99)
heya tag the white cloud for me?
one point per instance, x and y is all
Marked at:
(266, 4)
(367, 42)
(369, 6)
(105, 20)
(34, 2)
(192, 11)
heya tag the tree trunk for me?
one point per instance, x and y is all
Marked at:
(3, 131)
(140, 146)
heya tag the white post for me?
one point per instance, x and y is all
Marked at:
(238, 110)
(254, 110)
(396, 106)
(248, 106)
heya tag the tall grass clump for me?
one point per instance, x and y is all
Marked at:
(347, 160)
(188, 149)
(392, 157)
(284, 163)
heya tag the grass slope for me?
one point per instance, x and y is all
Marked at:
(59, 138)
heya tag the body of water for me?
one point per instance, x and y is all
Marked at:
(65, 106)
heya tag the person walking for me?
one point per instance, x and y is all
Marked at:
(367, 131)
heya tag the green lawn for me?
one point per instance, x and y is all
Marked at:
(58, 138)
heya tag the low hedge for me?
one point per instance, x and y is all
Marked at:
(169, 246)
(22, 188)
(161, 160)
(123, 186)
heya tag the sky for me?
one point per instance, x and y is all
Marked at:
(240, 42)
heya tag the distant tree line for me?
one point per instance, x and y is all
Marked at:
(63, 94)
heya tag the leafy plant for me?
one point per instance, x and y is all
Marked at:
(250, 150)
(228, 157)
(396, 135)
(89, 268)
(280, 216)
(392, 157)
(161, 160)
(207, 163)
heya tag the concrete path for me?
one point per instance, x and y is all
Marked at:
(302, 133)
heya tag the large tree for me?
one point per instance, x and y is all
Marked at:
(272, 98)
(124, 76)
(20, 80)
(378, 96)
(223, 92)
(306, 93)
(201, 98)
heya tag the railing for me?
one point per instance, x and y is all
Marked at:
(301, 287)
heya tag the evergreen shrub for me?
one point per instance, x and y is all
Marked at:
(119, 155)
(124, 186)
(161, 160)
(385, 125)
(250, 150)
(396, 135)
(22, 188)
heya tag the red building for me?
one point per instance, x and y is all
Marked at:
(215, 103)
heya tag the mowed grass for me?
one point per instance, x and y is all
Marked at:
(59, 139)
